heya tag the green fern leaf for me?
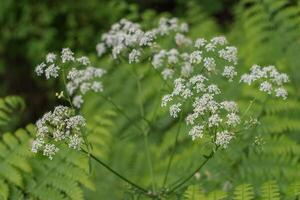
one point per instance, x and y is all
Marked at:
(193, 192)
(270, 191)
(243, 192)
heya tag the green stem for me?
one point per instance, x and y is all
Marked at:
(116, 173)
(207, 158)
(66, 91)
(173, 151)
(119, 110)
(149, 160)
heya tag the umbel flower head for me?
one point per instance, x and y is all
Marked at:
(60, 125)
(270, 80)
(208, 113)
(194, 67)
(80, 78)
(127, 39)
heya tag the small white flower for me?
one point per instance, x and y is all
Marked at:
(101, 49)
(266, 87)
(229, 54)
(84, 60)
(213, 89)
(157, 60)
(175, 109)
(77, 101)
(39, 70)
(184, 27)
(219, 40)
(281, 92)
(229, 72)
(51, 71)
(50, 57)
(134, 56)
(173, 55)
(147, 38)
(229, 106)
(196, 57)
(117, 50)
(97, 86)
(223, 138)
(200, 42)
(209, 64)
(214, 120)
(191, 118)
(37, 144)
(186, 69)
(210, 47)
(75, 122)
(196, 132)
(85, 87)
(75, 142)
(167, 98)
(50, 150)
(179, 86)
(167, 73)
(233, 119)
(67, 55)
(182, 40)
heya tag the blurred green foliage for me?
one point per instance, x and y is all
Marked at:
(265, 32)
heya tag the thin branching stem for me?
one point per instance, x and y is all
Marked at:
(146, 144)
(183, 181)
(173, 150)
(116, 173)
(120, 111)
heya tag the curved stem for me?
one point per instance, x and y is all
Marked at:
(173, 151)
(115, 172)
(207, 158)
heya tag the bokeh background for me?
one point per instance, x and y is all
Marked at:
(264, 31)
(30, 29)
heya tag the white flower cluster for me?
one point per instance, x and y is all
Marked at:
(60, 125)
(81, 77)
(128, 37)
(82, 81)
(223, 138)
(207, 113)
(271, 81)
(203, 55)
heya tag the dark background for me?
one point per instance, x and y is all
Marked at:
(30, 29)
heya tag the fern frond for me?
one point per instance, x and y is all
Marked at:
(42, 179)
(4, 190)
(10, 109)
(216, 195)
(193, 192)
(243, 192)
(294, 190)
(270, 191)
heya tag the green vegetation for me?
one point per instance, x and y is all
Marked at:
(264, 163)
